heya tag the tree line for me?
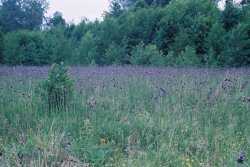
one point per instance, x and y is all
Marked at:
(175, 33)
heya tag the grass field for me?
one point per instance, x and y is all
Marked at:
(127, 116)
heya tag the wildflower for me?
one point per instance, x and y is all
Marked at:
(92, 104)
(240, 159)
(21, 142)
(247, 99)
(71, 158)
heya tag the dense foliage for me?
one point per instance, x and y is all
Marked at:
(58, 88)
(161, 32)
(22, 14)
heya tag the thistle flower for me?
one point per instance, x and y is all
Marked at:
(21, 142)
(246, 99)
(240, 159)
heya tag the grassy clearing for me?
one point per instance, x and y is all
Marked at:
(122, 116)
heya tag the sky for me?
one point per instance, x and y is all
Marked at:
(222, 3)
(75, 10)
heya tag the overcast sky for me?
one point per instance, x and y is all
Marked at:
(222, 3)
(74, 10)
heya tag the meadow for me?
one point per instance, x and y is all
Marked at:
(128, 116)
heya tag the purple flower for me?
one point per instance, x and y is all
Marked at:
(240, 159)
(246, 99)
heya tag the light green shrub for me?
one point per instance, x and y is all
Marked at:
(58, 88)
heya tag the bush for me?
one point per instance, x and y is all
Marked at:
(24, 47)
(188, 58)
(146, 55)
(88, 50)
(237, 48)
(170, 59)
(58, 88)
(115, 54)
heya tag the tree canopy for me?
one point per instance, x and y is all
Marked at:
(137, 32)
(22, 14)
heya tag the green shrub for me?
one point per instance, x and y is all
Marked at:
(188, 58)
(24, 48)
(58, 88)
(146, 55)
(169, 59)
(115, 54)
(210, 59)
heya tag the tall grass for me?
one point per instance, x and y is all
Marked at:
(124, 116)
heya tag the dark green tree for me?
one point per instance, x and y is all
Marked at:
(181, 31)
(157, 2)
(142, 26)
(115, 54)
(187, 23)
(24, 47)
(80, 30)
(22, 14)
(115, 8)
(245, 2)
(88, 50)
(1, 47)
(59, 44)
(132, 4)
(237, 48)
(215, 43)
(57, 19)
(232, 15)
